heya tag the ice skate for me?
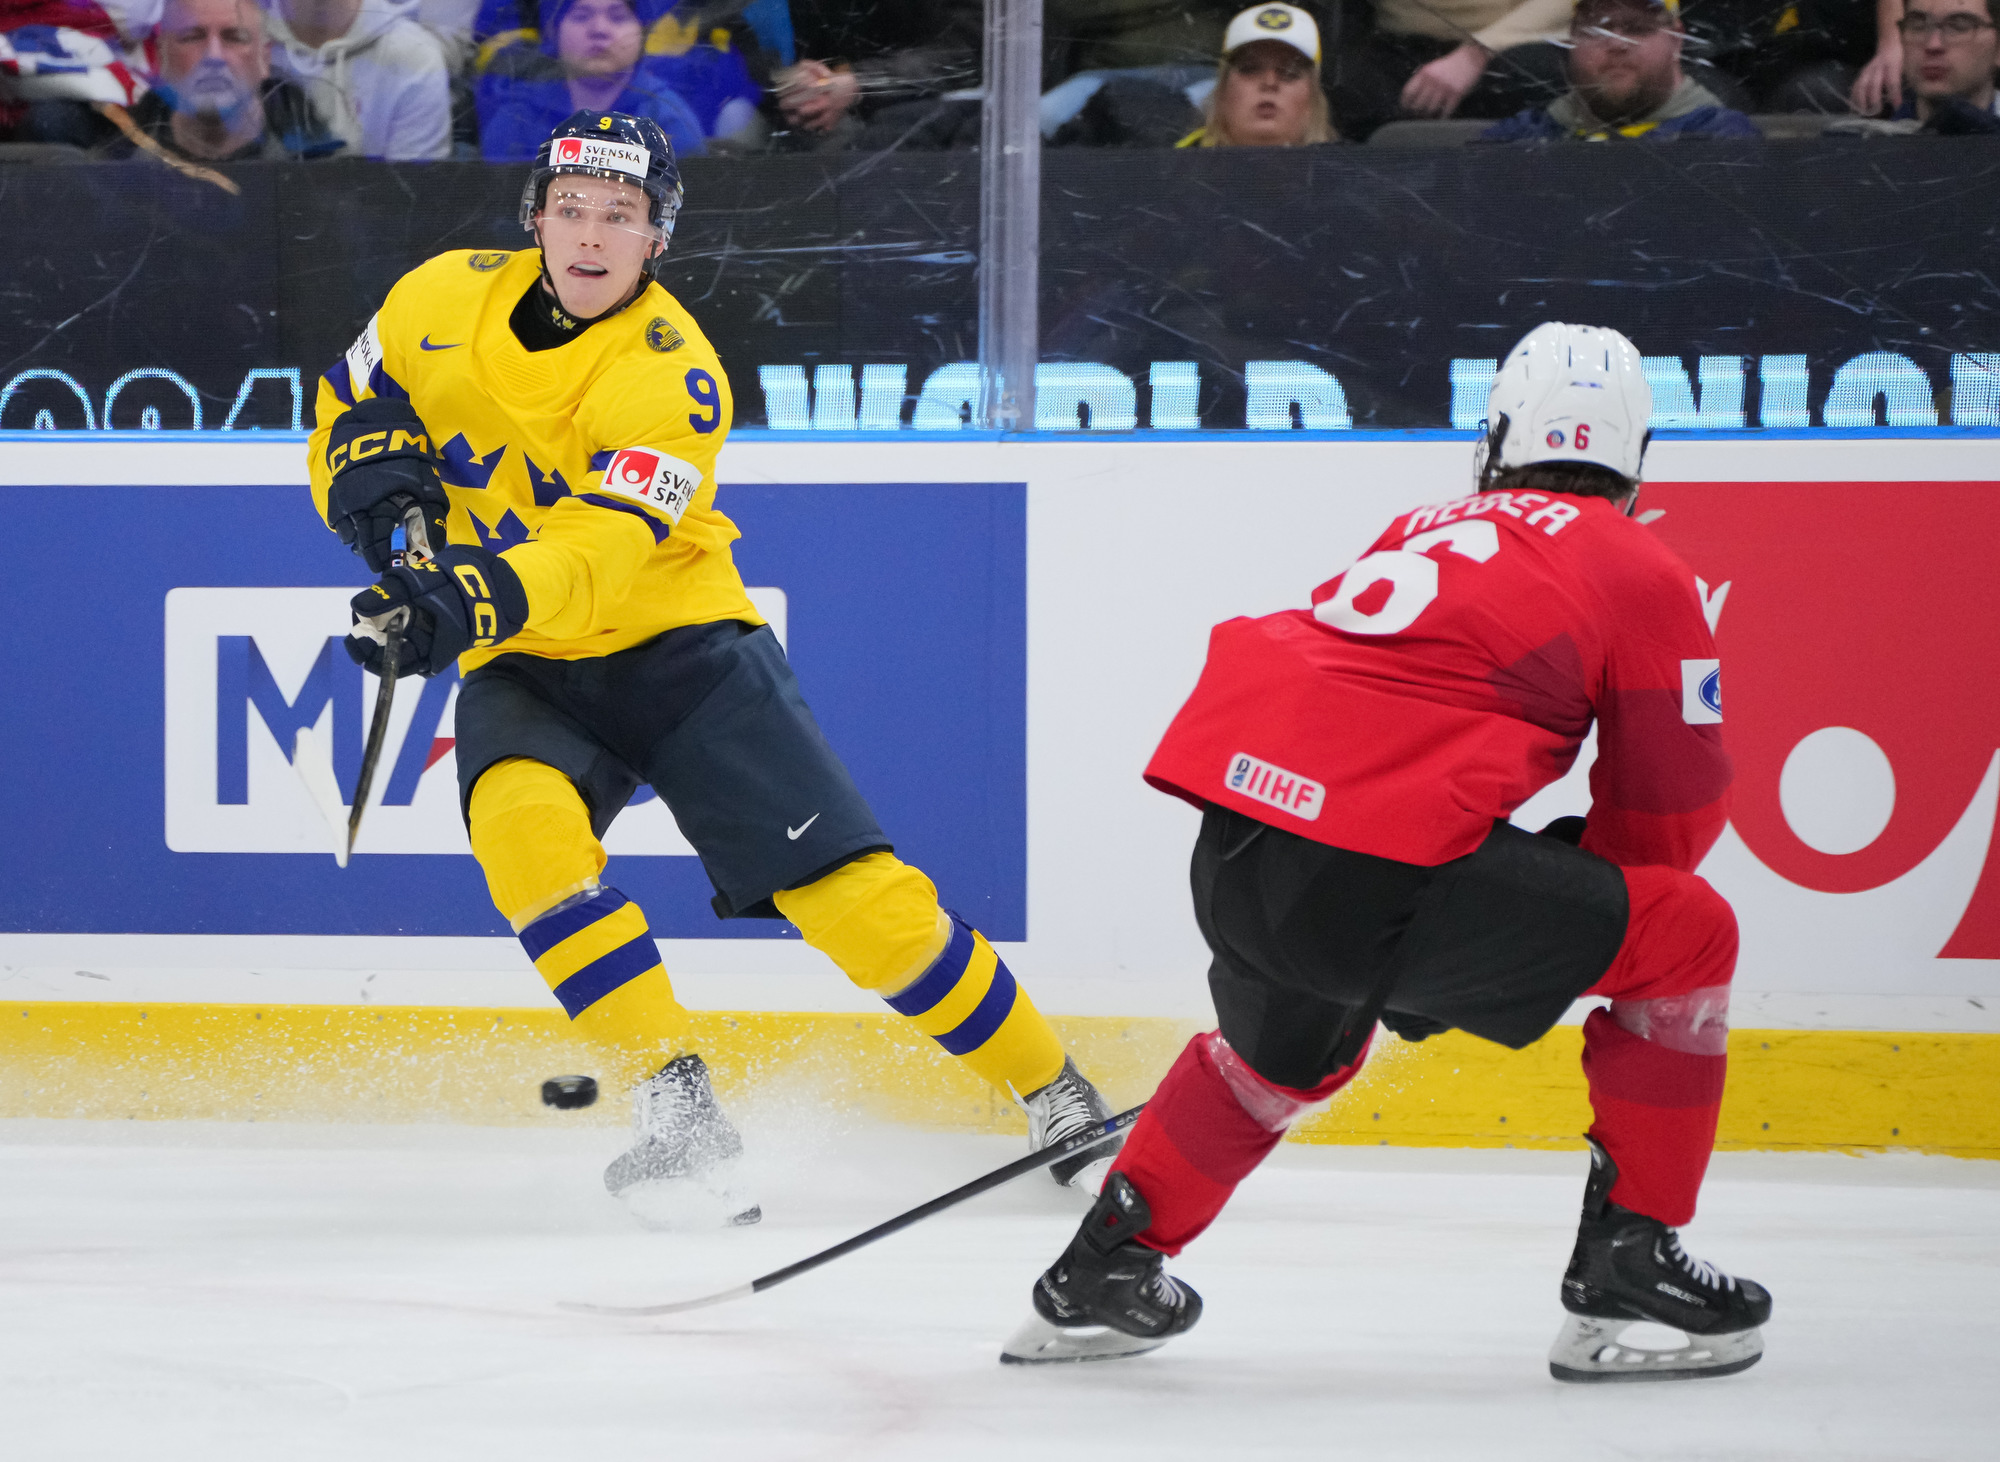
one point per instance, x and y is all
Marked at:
(681, 1170)
(1627, 1269)
(1108, 1295)
(1059, 1111)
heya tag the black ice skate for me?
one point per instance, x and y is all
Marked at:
(1629, 1268)
(680, 1170)
(1059, 1111)
(1107, 1296)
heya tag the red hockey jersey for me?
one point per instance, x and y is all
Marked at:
(1453, 672)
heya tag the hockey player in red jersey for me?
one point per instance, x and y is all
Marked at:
(1356, 764)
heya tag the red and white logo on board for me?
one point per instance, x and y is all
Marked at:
(662, 482)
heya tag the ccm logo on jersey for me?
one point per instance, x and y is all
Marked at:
(1701, 692)
(1287, 791)
(655, 479)
(589, 152)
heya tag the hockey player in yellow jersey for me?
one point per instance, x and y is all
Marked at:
(547, 421)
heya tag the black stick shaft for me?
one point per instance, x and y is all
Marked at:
(1104, 1131)
(378, 728)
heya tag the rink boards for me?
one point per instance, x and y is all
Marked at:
(994, 633)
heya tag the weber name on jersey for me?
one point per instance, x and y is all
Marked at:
(590, 467)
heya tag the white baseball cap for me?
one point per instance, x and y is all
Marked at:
(1284, 23)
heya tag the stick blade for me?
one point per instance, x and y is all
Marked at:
(313, 761)
(721, 1297)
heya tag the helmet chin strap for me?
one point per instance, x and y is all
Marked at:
(548, 283)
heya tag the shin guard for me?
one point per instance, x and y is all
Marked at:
(1656, 1110)
(599, 958)
(878, 919)
(1211, 1122)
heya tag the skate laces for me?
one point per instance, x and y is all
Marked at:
(1704, 1273)
(1061, 1109)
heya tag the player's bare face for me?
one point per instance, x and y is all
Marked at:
(595, 240)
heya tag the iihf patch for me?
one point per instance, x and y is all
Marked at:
(662, 336)
(1272, 785)
(1701, 692)
(1555, 439)
(487, 260)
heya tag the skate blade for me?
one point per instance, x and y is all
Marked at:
(1590, 1349)
(684, 1205)
(1039, 1343)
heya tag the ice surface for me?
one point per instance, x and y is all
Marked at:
(379, 1294)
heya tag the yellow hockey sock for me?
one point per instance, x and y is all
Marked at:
(531, 834)
(878, 919)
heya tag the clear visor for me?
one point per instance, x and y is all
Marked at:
(578, 206)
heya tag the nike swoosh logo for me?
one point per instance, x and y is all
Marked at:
(425, 344)
(793, 832)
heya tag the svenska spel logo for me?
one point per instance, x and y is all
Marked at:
(634, 470)
(569, 149)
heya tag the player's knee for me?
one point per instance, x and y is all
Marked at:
(877, 918)
(1707, 924)
(1681, 937)
(531, 834)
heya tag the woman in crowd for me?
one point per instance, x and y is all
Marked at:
(613, 56)
(1267, 88)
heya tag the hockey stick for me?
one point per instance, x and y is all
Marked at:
(417, 546)
(1055, 1152)
(378, 728)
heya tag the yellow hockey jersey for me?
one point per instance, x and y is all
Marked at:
(590, 467)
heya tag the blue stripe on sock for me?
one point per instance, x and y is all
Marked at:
(943, 975)
(552, 929)
(606, 973)
(977, 1028)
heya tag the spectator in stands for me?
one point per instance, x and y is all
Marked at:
(380, 79)
(858, 60)
(1879, 86)
(1267, 87)
(1128, 35)
(643, 57)
(215, 99)
(62, 64)
(593, 53)
(1950, 48)
(1439, 58)
(1626, 81)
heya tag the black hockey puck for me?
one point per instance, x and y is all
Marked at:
(569, 1092)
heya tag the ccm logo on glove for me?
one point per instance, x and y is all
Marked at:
(375, 444)
(485, 615)
(655, 479)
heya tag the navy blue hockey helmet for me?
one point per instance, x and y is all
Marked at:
(613, 145)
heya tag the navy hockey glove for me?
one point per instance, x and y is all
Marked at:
(465, 598)
(382, 465)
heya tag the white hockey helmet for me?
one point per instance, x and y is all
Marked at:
(1569, 393)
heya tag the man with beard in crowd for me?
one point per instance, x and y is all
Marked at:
(216, 100)
(1626, 81)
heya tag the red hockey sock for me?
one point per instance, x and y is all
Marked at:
(1656, 1113)
(1198, 1139)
